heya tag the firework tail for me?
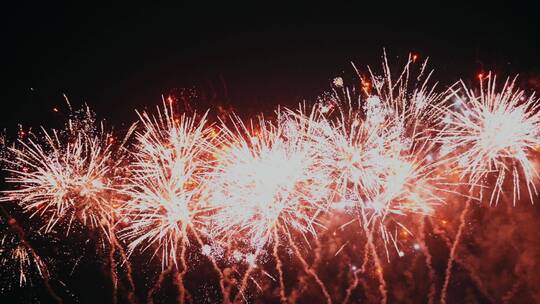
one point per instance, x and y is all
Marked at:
(247, 275)
(179, 275)
(362, 218)
(163, 274)
(454, 248)
(429, 259)
(132, 298)
(351, 287)
(214, 263)
(114, 275)
(307, 268)
(22, 237)
(457, 260)
(279, 267)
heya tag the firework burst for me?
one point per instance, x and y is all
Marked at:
(170, 162)
(383, 146)
(493, 133)
(65, 176)
(267, 177)
(16, 257)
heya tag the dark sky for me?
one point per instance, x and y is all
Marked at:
(118, 58)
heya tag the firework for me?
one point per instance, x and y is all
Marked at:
(170, 160)
(16, 256)
(266, 177)
(65, 176)
(383, 147)
(493, 133)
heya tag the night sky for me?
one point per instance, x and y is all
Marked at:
(118, 58)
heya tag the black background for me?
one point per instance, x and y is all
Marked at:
(118, 58)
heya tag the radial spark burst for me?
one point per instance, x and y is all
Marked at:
(383, 143)
(17, 258)
(382, 174)
(65, 176)
(493, 133)
(267, 177)
(171, 158)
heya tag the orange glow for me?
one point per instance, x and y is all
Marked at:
(366, 85)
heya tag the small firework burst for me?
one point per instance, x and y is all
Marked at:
(17, 258)
(493, 133)
(65, 176)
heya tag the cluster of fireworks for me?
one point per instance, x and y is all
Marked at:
(379, 157)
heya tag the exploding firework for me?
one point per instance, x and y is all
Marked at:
(171, 157)
(267, 177)
(268, 187)
(66, 176)
(17, 258)
(383, 147)
(494, 133)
